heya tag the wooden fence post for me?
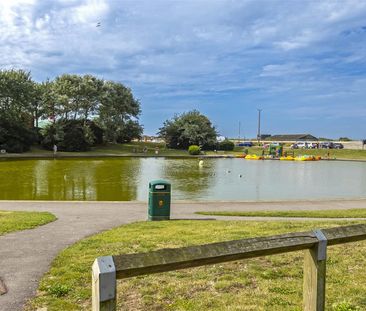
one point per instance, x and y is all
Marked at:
(104, 284)
(314, 274)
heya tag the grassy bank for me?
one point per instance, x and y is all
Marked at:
(267, 283)
(351, 213)
(137, 149)
(15, 221)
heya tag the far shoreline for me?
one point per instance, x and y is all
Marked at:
(67, 155)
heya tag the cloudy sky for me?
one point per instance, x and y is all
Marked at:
(302, 62)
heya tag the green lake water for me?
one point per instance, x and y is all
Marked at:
(126, 179)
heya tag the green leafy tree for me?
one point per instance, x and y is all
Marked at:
(77, 96)
(190, 128)
(118, 113)
(15, 137)
(49, 106)
(16, 95)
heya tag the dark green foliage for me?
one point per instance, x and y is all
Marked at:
(74, 138)
(53, 134)
(226, 145)
(130, 130)
(118, 113)
(194, 150)
(69, 135)
(97, 131)
(70, 101)
(16, 94)
(190, 128)
(344, 139)
(14, 137)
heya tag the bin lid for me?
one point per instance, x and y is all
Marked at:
(159, 182)
(159, 185)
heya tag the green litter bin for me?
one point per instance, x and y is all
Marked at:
(159, 200)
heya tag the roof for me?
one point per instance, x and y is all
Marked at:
(291, 137)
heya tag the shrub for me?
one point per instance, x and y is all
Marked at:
(52, 134)
(69, 135)
(97, 132)
(15, 137)
(74, 137)
(194, 150)
(226, 145)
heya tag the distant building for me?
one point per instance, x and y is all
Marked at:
(265, 136)
(151, 139)
(292, 137)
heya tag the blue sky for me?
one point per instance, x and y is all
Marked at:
(302, 62)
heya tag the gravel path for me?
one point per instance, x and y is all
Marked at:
(26, 255)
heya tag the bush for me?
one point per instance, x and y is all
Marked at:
(97, 132)
(194, 150)
(226, 145)
(52, 134)
(15, 137)
(69, 135)
(74, 137)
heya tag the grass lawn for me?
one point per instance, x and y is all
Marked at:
(132, 148)
(266, 283)
(15, 221)
(136, 149)
(350, 213)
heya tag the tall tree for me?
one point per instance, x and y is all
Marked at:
(190, 128)
(16, 95)
(77, 96)
(119, 112)
(50, 106)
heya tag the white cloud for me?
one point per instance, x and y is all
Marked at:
(180, 49)
(281, 70)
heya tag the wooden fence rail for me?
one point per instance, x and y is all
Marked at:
(109, 268)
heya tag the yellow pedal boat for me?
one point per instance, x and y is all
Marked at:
(288, 158)
(253, 157)
(305, 158)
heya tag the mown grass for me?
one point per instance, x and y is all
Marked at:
(349, 213)
(266, 283)
(14, 221)
(136, 149)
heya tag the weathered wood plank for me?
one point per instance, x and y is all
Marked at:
(130, 265)
(172, 259)
(345, 234)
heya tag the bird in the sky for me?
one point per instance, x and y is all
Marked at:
(99, 24)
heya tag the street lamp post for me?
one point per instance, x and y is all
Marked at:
(259, 125)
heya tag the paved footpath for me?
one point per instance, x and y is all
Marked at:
(26, 255)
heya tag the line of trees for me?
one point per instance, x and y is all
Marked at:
(82, 111)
